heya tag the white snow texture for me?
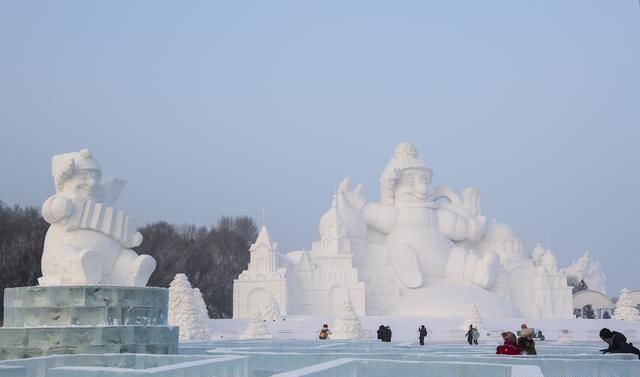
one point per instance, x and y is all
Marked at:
(186, 310)
(257, 329)
(271, 311)
(473, 318)
(347, 325)
(625, 309)
(587, 269)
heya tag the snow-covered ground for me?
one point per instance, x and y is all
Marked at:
(440, 329)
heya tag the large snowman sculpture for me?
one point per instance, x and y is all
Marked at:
(89, 242)
(425, 230)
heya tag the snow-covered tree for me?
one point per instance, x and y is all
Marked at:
(183, 310)
(271, 310)
(257, 329)
(473, 318)
(625, 309)
(203, 315)
(347, 324)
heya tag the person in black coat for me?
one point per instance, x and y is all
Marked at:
(617, 343)
(422, 332)
(469, 335)
(387, 334)
(381, 332)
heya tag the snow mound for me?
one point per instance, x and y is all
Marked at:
(440, 298)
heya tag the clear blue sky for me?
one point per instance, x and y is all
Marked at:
(212, 108)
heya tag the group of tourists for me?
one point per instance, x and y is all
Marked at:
(384, 333)
(521, 345)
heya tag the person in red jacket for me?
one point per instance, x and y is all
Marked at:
(510, 346)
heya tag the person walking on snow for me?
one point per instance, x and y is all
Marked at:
(475, 335)
(469, 335)
(422, 333)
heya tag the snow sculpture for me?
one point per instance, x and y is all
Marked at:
(271, 311)
(257, 329)
(202, 312)
(421, 232)
(183, 310)
(89, 242)
(625, 308)
(473, 318)
(589, 270)
(420, 251)
(347, 325)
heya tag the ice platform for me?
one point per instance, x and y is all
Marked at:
(42, 321)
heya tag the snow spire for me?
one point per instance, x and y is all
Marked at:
(263, 240)
(625, 309)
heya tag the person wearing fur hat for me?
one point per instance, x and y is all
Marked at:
(89, 241)
(419, 230)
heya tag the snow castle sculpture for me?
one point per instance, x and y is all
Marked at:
(421, 250)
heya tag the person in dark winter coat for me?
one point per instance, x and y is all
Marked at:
(469, 335)
(387, 334)
(381, 332)
(617, 343)
(422, 332)
(509, 347)
(525, 341)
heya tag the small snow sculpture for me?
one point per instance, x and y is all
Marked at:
(271, 311)
(203, 314)
(625, 309)
(89, 242)
(183, 310)
(257, 329)
(473, 318)
(347, 325)
(589, 270)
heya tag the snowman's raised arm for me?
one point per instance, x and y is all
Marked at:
(382, 217)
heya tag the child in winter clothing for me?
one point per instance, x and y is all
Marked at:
(509, 347)
(324, 332)
(525, 341)
(475, 334)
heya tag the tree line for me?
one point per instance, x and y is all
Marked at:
(210, 256)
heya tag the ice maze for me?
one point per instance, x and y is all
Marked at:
(289, 358)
